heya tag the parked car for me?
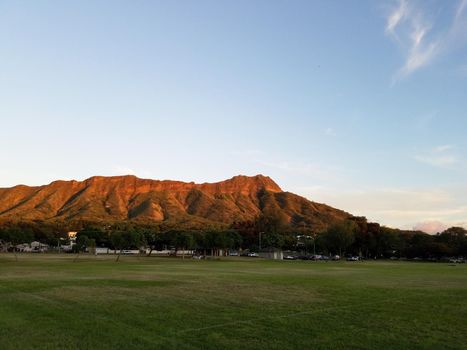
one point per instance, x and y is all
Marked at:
(253, 255)
(336, 257)
(352, 258)
(290, 257)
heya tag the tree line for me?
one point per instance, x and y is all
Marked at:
(354, 236)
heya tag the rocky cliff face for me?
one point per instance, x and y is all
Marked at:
(130, 198)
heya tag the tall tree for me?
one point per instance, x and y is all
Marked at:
(184, 240)
(82, 242)
(340, 236)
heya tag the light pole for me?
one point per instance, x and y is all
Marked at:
(314, 244)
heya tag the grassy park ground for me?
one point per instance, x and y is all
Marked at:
(49, 302)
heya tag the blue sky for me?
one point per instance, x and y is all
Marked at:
(358, 104)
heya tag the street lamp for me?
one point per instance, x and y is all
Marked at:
(314, 243)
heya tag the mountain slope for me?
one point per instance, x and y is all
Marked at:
(119, 198)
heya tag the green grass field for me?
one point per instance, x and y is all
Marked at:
(49, 302)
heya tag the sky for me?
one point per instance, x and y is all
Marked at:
(359, 104)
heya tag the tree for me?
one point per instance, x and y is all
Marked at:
(82, 242)
(273, 240)
(15, 235)
(387, 242)
(340, 236)
(419, 245)
(152, 238)
(216, 240)
(97, 233)
(248, 231)
(225, 240)
(91, 245)
(126, 239)
(184, 240)
(455, 238)
(118, 241)
(272, 221)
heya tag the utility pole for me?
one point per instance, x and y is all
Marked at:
(314, 244)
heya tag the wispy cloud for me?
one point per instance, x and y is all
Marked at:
(396, 17)
(422, 37)
(397, 207)
(437, 160)
(460, 10)
(443, 148)
(440, 156)
(276, 165)
(408, 24)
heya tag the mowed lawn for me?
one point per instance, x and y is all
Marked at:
(50, 302)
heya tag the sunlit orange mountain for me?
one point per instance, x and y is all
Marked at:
(120, 198)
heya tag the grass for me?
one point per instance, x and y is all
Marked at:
(49, 302)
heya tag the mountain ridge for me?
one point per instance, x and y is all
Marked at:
(127, 197)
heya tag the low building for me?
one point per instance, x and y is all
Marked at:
(39, 247)
(271, 253)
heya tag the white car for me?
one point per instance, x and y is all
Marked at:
(353, 258)
(290, 257)
(254, 255)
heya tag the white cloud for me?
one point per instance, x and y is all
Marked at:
(443, 148)
(421, 37)
(396, 17)
(419, 56)
(430, 226)
(437, 160)
(277, 166)
(461, 10)
(439, 156)
(396, 207)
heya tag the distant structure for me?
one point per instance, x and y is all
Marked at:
(72, 241)
(271, 253)
(72, 237)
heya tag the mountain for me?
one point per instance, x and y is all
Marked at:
(120, 198)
